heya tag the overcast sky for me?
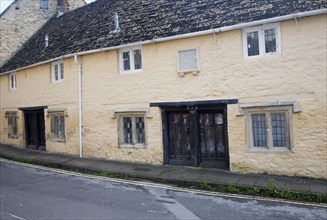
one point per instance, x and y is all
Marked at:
(5, 3)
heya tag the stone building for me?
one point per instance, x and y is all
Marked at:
(236, 85)
(24, 17)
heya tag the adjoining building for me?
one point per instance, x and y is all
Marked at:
(23, 18)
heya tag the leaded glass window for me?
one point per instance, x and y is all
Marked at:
(12, 124)
(57, 71)
(270, 41)
(12, 81)
(137, 59)
(259, 130)
(278, 125)
(126, 61)
(58, 127)
(140, 136)
(130, 59)
(128, 134)
(261, 40)
(268, 127)
(132, 130)
(253, 43)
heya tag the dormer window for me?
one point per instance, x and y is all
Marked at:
(44, 4)
(261, 40)
(58, 71)
(130, 59)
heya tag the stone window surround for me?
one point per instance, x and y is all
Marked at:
(260, 30)
(121, 62)
(118, 114)
(57, 112)
(288, 107)
(9, 115)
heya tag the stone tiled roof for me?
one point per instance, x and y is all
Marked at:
(87, 28)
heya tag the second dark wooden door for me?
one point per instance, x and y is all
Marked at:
(213, 148)
(35, 129)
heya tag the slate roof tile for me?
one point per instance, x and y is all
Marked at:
(87, 28)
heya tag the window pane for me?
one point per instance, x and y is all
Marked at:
(56, 72)
(61, 71)
(15, 81)
(137, 59)
(140, 135)
(278, 125)
(12, 81)
(259, 130)
(126, 61)
(270, 41)
(44, 4)
(12, 126)
(253, 43)
(187, 60)
(127, 130)
(56, 127)
(62, 128)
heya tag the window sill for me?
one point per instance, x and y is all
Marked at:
(57, 140)
(274, 54)
(182, 73)
(58, 81)
(132, 146)
(274, 150)
(128, 72)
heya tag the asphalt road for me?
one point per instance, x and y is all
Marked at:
(34, 193)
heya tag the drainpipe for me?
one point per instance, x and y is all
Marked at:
(80, 106)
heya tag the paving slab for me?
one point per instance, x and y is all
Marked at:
(247, 181)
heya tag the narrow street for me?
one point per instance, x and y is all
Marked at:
(28, 192)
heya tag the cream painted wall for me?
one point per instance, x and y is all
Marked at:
(35, 88)
(297, 74)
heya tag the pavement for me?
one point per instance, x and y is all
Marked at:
(180, 175)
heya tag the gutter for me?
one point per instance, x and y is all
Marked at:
(80, 116)
(188, 35)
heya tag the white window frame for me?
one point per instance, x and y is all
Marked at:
(132, 62)
(195, 70)
(260, 29)
(43, 2)
(12, 117)
(267, 111)
(120, 123)
(52, 129)
(58, 63)
(13, 81)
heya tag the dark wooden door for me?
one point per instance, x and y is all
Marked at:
(212, 140)
(196, 137)
(35, 129)
(179, 138)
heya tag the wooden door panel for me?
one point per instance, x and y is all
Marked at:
(212, 136)
(179, 137)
